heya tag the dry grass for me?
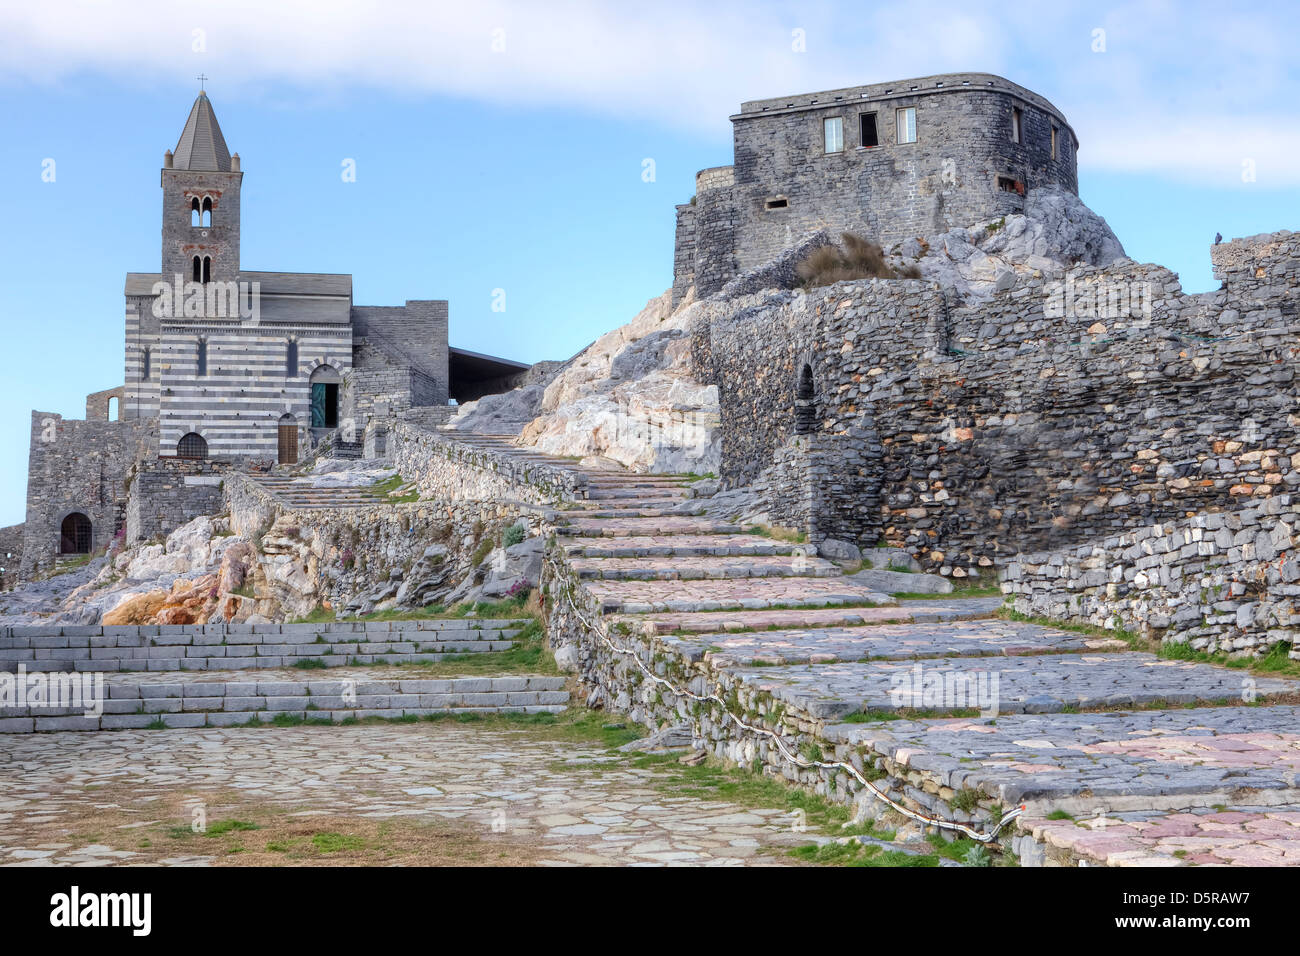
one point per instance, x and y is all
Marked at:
(854, 258)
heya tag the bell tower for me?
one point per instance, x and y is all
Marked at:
(200, 183)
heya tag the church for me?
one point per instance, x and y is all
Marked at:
(227, 367)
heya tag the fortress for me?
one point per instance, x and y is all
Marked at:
(890, 161)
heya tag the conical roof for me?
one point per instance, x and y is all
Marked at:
(201, 145)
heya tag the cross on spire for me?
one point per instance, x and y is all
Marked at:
(202, 78)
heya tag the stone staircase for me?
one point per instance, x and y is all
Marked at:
(301, 494)
(219, 675)
(1118, 756)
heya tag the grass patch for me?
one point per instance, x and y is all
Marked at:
(392, 490)
(309, 664)
(957, 594)
(854, 258)
(777, 533)
(222, 827)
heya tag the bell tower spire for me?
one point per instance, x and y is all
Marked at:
(201, 182)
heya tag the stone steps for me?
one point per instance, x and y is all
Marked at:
(301, 495)
(681, 545)
(632, 597)
(225, 699)
(163, 648)
(1040, 684)
(614, 527)
(701, 568)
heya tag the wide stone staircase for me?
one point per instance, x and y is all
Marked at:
(220, 675)
(1104, 754)
(302, 494)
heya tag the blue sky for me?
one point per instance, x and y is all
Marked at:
(503, 146)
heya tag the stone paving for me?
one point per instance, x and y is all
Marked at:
(1036, 684)
(889, 641)
(1156, 759)
(1199, 836)
(567, 804)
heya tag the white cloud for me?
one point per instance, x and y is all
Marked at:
(1184, 90)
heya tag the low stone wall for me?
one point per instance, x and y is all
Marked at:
(167, 492)
(448, 470)
(1221, 582)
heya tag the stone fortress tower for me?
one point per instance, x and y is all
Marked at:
(889, 161)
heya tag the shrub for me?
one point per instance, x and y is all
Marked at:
(513, 535)
(854, 258)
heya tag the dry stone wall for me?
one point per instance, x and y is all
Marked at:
(1053, 411)
(1219, 582)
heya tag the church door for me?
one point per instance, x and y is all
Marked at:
(288, 442)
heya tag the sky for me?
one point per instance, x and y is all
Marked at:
(530, 153)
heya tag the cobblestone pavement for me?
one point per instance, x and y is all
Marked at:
(552, 803)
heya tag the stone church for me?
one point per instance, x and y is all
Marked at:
(227, 367)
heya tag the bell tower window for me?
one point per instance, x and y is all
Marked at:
(195, 215)
(205, 217)
(198, 269)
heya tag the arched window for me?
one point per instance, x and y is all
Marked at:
(207, 268)
(198, 269)
(805, 403)
(195, 216)
(192, 445)
(114, 409)
(291, 359)
(201, 358)
(74, 534)
(205, 218)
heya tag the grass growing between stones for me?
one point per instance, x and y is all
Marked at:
(956, 594)
(394, 490)
(529, 655)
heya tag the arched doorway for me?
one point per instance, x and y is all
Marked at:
(192, 445)
(288, 443)
(325, 397)
(75, 534)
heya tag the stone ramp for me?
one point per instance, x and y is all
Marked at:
(198, 647)
(231, 698)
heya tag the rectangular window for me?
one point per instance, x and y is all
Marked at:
(907, 125)
(1053, 142)
(834, 128)
(291, 360)
(870, 135)
(1015, 125)
(148, 364)
(202, 358)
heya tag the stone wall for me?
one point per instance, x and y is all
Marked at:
(1220, 582)
(965, 166)
(167, 492)
(448, 470)
(11, 554)
(1049, 412)
(78, 466)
